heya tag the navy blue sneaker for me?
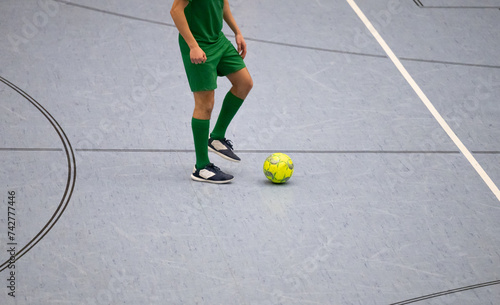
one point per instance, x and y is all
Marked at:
(223, 148)
(211, 174)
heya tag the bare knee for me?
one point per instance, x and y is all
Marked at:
(204, 111)
(243, 87)
(248, 85)
(242, 83)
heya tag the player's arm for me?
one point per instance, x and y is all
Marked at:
(177, 12)
(229, 19)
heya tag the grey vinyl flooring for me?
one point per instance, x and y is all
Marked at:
(96, 154)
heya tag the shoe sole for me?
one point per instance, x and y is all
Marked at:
(223, 155)
(193, 177)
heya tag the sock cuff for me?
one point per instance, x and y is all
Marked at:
(197, 123)
(234, 98)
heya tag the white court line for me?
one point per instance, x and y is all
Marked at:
(425, 100)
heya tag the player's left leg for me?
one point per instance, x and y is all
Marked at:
(242, 84)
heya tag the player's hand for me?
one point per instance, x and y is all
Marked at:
(197, 56)
(242, 45)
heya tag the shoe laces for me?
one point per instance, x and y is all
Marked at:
(229, 143)
(212, 166)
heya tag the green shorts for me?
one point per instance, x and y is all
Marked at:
(222, 60)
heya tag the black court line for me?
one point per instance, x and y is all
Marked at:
(442, 62)
(258, 151)
(447, 292)
(134, 150)
(420, 4)
(486, 152)
(297, 46)
(465, 7)
(139, 150)
(371, 55)
(30, 149)
(115, 14)
(70, 183)
(284, 43)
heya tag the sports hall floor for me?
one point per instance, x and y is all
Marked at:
(394, 131)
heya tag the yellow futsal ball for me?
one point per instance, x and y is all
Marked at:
(278, 168)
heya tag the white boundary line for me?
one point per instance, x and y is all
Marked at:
(425, 100)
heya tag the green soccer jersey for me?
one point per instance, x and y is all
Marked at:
(205, 19)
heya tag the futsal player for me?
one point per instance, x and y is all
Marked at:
(207, 54)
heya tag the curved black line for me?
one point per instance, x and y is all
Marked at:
(71, 179)
(447, 292)
(284, 43)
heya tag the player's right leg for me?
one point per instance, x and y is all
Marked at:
(204, 170)
(202, 80)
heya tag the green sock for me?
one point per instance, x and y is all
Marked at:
(230, 106)
(200, 135)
